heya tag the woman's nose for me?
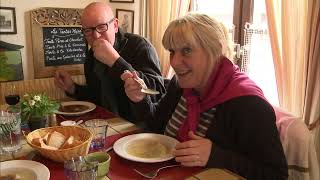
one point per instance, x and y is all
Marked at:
(175, 59)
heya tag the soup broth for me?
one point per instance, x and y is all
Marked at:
(73, 108)
(147, 148)
(18, 173)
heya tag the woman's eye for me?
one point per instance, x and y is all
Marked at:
(171, 52)
(186, 51)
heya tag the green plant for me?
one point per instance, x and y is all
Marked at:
(37, 106)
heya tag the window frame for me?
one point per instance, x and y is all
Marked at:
(242, 13)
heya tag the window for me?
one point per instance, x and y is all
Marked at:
(247, 23)
(222, 10)
(260, 66)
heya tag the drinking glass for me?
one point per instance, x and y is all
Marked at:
(10, 131)
(12, 97)
(99, 128)
(79, 169)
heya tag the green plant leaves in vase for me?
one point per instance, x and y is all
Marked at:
(37, 105)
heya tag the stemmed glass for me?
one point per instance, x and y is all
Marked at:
(12, 98)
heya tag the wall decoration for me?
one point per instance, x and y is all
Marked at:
(122, 1)
(57, 41)
(10, 62)
(126, 19)
(8, 24)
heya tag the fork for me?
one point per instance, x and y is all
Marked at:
(152, 174)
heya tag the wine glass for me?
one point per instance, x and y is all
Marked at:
(12, 98)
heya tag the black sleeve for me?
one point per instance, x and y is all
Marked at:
(139, 55)
(85, 93)
(253, 149)
(91, 90)
(156, 115)
(136, 55)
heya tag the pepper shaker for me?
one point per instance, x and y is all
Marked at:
(52, 120)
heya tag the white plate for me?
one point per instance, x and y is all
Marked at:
(35, 170)
(121, 144)
(90, 106)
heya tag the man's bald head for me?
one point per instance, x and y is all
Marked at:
(96, 9)
(99, 14)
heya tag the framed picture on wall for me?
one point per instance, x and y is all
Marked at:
(122, 1)
(8, 24)
(126, 19)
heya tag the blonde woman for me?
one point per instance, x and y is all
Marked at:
(217, 113)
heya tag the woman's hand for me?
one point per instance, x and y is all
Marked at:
(195, 152)
(132, 88)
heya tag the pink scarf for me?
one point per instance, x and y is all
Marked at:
(225, 82)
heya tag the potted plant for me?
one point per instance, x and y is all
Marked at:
(35, 108)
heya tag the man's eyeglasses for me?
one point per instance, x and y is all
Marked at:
(99, 28)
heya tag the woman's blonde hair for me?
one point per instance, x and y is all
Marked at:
(196, 29)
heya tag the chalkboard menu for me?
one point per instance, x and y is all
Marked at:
(63, 46)
(57, 41)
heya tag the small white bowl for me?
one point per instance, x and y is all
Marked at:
(68, 123)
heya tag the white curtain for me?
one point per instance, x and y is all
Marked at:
(295, 39)
(159, 14)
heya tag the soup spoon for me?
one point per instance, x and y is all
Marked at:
(79, 122)
(145, 89)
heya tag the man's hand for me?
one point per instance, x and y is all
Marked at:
(63, 80)
(104, 52)
(132, 88)
(195, 152)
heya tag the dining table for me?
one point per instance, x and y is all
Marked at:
(120, 168)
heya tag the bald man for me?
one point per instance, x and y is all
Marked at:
(112, 52)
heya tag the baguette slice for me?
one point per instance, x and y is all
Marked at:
(68, 143)
(56, 139)
(45, 138)
(36, 141)
(43, 145)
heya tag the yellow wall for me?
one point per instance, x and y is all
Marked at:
(23, 36)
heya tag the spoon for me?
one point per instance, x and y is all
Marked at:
(71, 123)
(145, 89)
(79, 122)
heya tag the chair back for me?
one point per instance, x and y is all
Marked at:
(298, 145)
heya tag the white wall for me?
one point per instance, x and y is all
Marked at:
(23, 36)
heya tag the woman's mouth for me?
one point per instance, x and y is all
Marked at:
(182, 73)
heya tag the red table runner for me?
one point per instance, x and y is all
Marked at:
(120, 169)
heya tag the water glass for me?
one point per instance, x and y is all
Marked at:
(10, 131)
(79, 169)
(99, 128)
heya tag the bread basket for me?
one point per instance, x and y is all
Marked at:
(61, 155)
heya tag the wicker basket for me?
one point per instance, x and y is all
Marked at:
(62, 155)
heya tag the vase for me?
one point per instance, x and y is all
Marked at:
(37, 122)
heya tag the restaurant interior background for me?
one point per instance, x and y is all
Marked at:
(23, 37)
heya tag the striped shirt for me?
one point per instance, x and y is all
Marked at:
(180, 114)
